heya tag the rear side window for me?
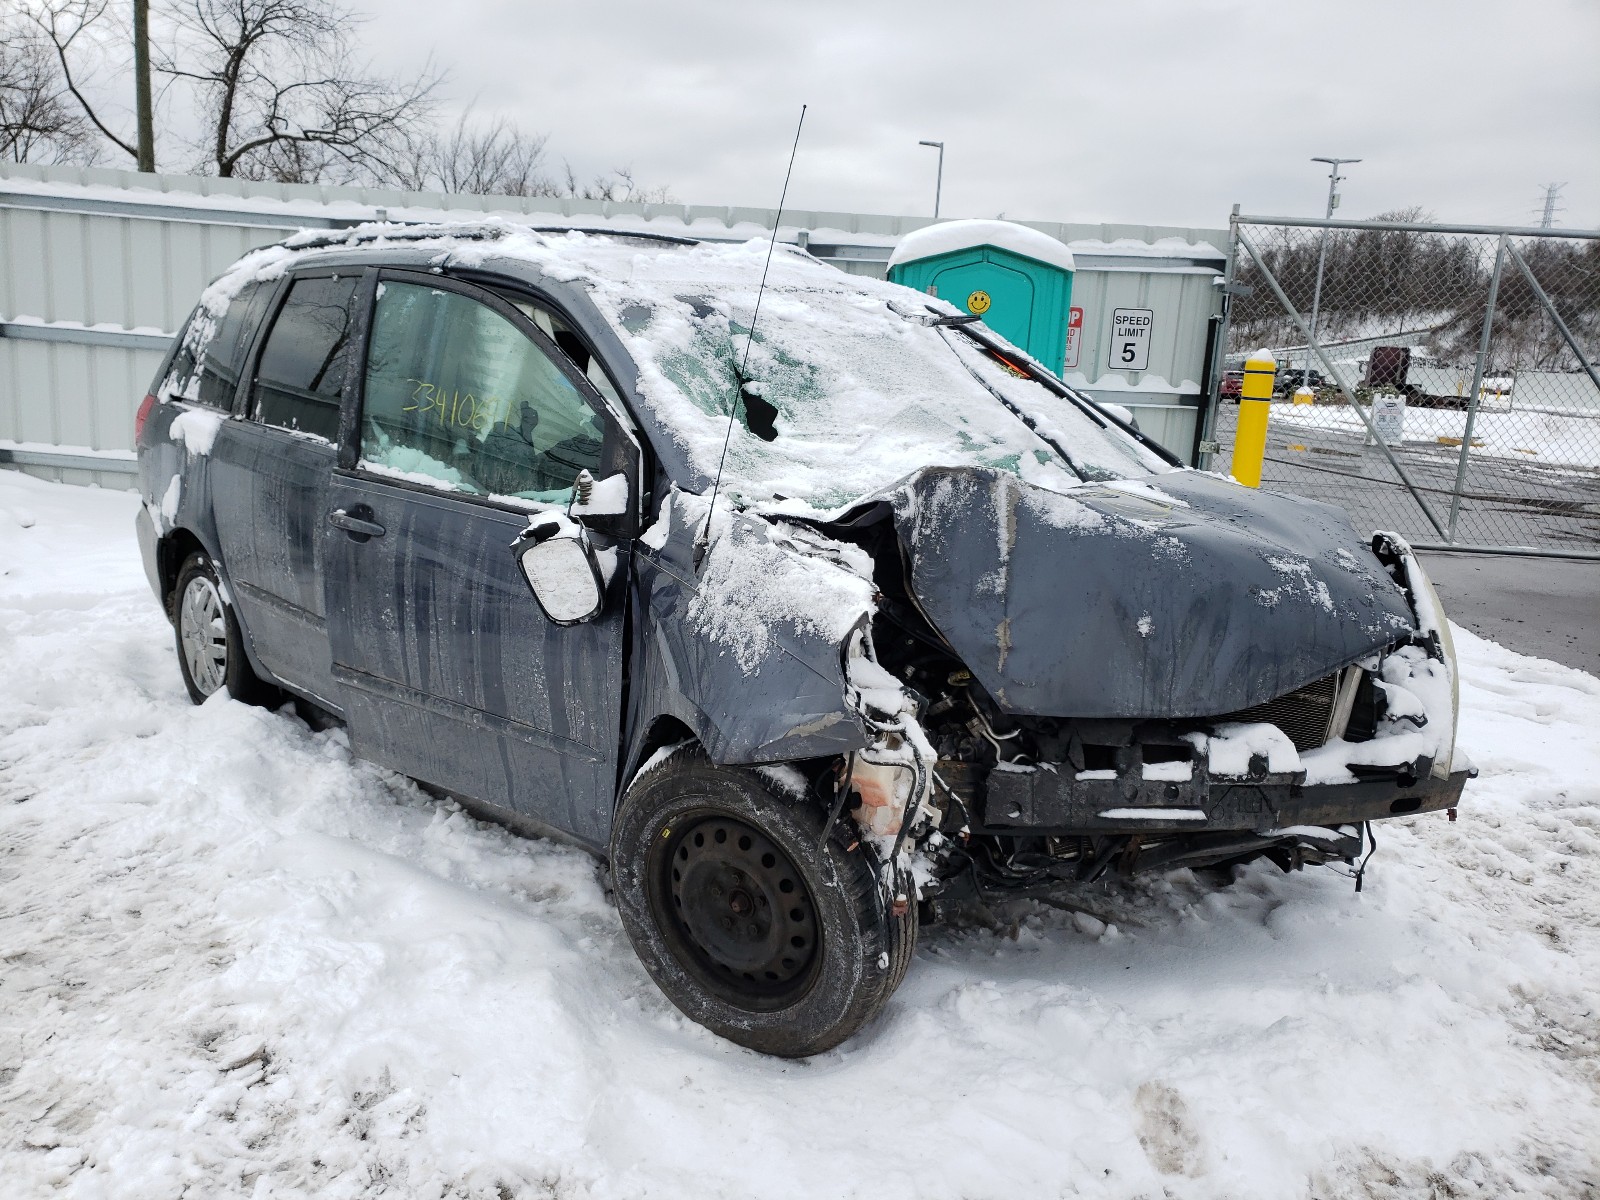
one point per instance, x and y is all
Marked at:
(211, 354)
(303, 362)
(456, 392)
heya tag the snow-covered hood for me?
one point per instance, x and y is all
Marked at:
(1187, 596)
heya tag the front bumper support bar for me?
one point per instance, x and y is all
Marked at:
(1050, 800)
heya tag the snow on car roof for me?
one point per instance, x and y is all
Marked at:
(848, 386)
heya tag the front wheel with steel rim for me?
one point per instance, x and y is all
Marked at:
(210, 648)
(746, 923)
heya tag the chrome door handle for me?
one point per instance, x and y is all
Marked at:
(340, 519)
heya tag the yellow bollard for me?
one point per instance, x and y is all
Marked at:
(1255, 402)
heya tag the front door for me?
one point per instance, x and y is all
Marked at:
(472, 420)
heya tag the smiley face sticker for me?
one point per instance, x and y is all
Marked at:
(978, 303)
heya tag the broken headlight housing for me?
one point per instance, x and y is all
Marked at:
(1433, 628)
(892, 774)
(1425, 598)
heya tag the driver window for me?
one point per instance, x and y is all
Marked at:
(458, 394)
(573, 345)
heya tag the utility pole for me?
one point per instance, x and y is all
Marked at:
(1552, 193)
(938, 185)
(141, 86)
(1322, 255)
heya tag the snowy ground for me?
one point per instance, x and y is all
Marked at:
(1549, 438)
(233, 961)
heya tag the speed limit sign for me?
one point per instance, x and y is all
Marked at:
(1130, 338)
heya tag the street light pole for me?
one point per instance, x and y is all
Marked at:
(1322, 255)
(938, 186)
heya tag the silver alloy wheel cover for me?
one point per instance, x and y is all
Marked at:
(203, 633)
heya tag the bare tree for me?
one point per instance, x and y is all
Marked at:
(66, 25)
(276, 84)
(284, 94)
(494, 159)
(273, 89)
(38, 120)
(499, 159)
(619, 186)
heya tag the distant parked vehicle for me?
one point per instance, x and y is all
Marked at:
(1390, 367)
(1387, 366)
(1232, 385)
(1292, 379)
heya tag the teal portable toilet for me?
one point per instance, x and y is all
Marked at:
(1017, 279)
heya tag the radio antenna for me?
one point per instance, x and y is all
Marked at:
(701, 542)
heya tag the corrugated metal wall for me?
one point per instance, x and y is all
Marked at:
(87, 299)
(1168, 396)
(100, 266)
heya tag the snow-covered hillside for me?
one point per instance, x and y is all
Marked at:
(234, 961)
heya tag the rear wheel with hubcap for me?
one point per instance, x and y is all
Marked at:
(210, 646)
(746, 923)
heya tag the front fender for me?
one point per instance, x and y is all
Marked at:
(792, 704)
(751, 685)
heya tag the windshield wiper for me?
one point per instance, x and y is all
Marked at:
(933, 317)
(1083, 403)
(1017, 412)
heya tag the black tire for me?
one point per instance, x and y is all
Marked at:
(813, 951)
(211, 651)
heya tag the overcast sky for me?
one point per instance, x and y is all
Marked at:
(1144, 111)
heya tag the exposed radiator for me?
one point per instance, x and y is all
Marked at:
(1304, 714)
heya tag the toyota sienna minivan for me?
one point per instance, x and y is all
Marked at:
(812, 609)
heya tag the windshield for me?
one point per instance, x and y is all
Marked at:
(1096, 449)
(842, 395)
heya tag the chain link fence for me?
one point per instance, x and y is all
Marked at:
(1436, 380)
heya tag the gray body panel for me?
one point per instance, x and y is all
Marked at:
(1113, 604)
(161, 461)
(449, 671)
(791, 706)
(269, 491)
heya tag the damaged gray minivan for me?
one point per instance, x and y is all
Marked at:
(810, 629)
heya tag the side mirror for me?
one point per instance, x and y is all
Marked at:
(561, 572)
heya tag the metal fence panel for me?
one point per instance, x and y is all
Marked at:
(61, 395)
(1167, 397)
(86, 247)
(1451, 391)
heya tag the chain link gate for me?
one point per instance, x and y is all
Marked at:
(1437, 380)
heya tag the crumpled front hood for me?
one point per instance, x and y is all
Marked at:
(1181, 596)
